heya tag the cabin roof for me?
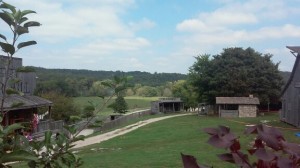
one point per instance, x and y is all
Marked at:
(17, 102)
(237, 100)
(294, 50)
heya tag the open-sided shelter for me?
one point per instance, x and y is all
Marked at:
(290, 95)
(167, 105)
(237, 106)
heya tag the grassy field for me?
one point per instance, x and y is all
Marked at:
(160, 144)
(134, 103)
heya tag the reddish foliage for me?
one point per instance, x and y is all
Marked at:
(269, 147)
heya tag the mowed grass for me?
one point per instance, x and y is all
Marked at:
(134, 103)
(160, 144)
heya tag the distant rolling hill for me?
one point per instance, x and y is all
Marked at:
(144, 78)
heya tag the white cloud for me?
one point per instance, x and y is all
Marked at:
(142, 24)
(108, 47)
(78, 19)
(222, 27)
(283, 54)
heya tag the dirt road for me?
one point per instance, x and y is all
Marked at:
(121, 131)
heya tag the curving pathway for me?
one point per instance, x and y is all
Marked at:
(106, 136)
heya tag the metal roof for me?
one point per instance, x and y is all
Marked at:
(237, 100)
(295, 50)
(169, 100)
(16, 102)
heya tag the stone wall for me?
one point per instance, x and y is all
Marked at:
(247, 110)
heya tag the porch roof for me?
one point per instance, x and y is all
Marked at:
(17, 102)
(237, 100)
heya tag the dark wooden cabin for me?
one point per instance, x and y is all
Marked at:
(21, 107)
(290, 96)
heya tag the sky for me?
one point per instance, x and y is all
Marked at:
(154, 35)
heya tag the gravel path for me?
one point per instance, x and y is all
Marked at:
(121, 131)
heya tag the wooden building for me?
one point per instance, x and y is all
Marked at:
(20, 107)
(290, 96)
(167, 105)
(237, 106)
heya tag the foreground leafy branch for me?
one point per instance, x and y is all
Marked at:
(54, 150)
(270, 148)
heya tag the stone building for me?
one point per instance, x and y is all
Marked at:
(237, 106)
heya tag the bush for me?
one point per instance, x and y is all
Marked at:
(119, 106)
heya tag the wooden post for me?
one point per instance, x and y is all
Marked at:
(219, 111)
(173, 107)
(7, 118)
(49, 110)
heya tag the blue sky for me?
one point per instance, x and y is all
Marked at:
(155, 35)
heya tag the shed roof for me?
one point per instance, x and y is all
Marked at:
(294, 49)
(237, 100)
(17, 102)
(169, 100)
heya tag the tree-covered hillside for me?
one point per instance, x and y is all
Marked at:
(143, 78)
(73, 82)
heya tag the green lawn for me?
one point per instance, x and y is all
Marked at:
(159, 144)
(134, 103)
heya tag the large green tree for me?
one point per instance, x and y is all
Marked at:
(184, 90)
(236, 72)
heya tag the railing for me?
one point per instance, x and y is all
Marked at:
(122, 120)
(44, 126)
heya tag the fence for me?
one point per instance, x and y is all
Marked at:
(44, 126)
(55, 126)
(122, 120)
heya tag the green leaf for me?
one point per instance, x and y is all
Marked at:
(23, 19)
(10, 91)
(47, 139)
(32, 23)
(8, 48)
(20, 155)
(21, 30)
(3, 37)
(72, 129)
(11, 128)
(8, 6)
(25, 12)
(6, 18)
(17, 15)
(101, 96)
(25, 44)
(107, 84)
(17, 104)
(79, 138)
(11, 17)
